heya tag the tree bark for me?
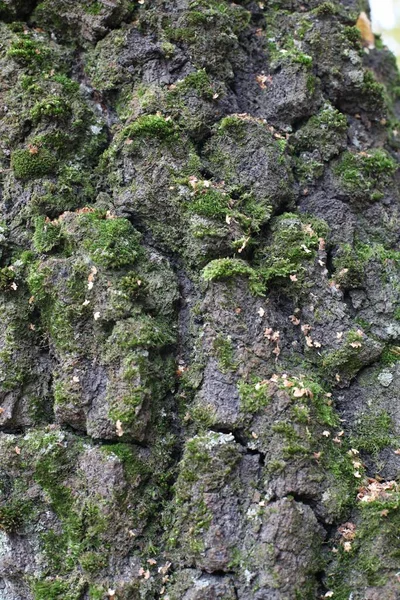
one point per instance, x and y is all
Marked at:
(200, 302)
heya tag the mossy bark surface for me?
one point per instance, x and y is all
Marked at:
(200, 302)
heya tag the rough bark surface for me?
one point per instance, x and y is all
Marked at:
(200, 302)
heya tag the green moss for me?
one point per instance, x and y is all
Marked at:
(69, 85)
(51, 590)
(150, 126)
(345, 361)
(295, 239)
(203, 415)
(13, 514)
(50, 108)
(374, 93)
(28, 52)
(308, 169)
(326, 131)
(326, 8)
(127, 454)
(141, 331)
(353, 35)
(223, 350)
(96, 592)
(233, 124)
(209, 16)
(374, 555)
(92, 562)
(47, 235)
(210, 202)
(390, 355)
(111, 242)
(373, 433)
(366, 173)
(133, 285)
(253, 396)
(349, 264)
(228, 268)
(94, 8)
(198, 81)
(28, 165)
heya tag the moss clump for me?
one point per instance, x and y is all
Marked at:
(253, 396)
(373, 433)
(144, 331)
(28, 52)
(294, 241)
(234, 125)
(326, 9)
(218, 22)
(111, 242)
(308, 169)
(47, 235)
(325, 132)
(349, 267)
(374, 93)
(13, 514)
(56, 589)
(390, 355)
(228, 268)
(150, 126)
(133, 285)
(50, 108)
(367, 173)
(198, 81)
(28, 164)
(210, 202)
(345, 361)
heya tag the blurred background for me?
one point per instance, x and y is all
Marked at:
(386, 21)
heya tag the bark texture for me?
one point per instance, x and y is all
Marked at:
(200, 302)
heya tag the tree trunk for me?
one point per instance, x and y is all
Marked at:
(200, 302)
